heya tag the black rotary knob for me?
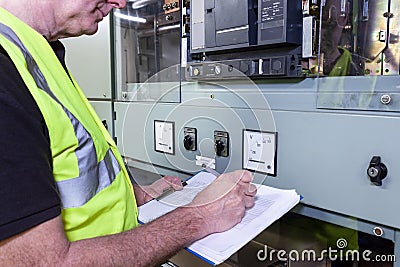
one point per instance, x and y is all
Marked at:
(219, 147)
(188, 142)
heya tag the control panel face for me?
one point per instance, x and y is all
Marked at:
(262, 39)
(259, 151)
(227, 39)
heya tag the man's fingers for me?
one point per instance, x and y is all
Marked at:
(249, 193)
(245, 177)
(173, 181)
(251, 190)
(249, 201)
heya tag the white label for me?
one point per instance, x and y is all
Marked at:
(205, 162)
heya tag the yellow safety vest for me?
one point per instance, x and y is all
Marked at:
(96, 194)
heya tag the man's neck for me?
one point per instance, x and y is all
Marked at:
(33, 14)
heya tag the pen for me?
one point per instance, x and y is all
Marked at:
(168, 192)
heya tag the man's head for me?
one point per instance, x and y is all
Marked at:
(57, 19)
(77, 17)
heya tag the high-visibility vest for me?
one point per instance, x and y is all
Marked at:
(96, 193)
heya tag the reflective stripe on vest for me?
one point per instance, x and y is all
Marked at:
(93, 177)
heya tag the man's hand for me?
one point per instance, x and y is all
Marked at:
(223, 203)
(146, 193)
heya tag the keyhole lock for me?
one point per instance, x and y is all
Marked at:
(376, 171)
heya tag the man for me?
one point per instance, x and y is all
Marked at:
(65, 195)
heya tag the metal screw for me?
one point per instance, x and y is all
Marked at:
(386, 99)
(378, 231)
(388, 15)
(373, 172)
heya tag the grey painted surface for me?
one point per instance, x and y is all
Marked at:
(88, 59)
(104, 111)
(322, 153)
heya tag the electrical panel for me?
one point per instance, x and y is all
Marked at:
(323, 66)
(254, 23)
(262, 39)
(206, 39)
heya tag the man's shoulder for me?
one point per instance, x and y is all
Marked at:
(7, 67)
(13, 88)
(4, 55)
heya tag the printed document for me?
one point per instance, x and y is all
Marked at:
(270, 204)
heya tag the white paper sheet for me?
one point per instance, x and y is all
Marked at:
(270, 205)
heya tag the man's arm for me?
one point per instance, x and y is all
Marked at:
(46, 244)
(145, 245)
